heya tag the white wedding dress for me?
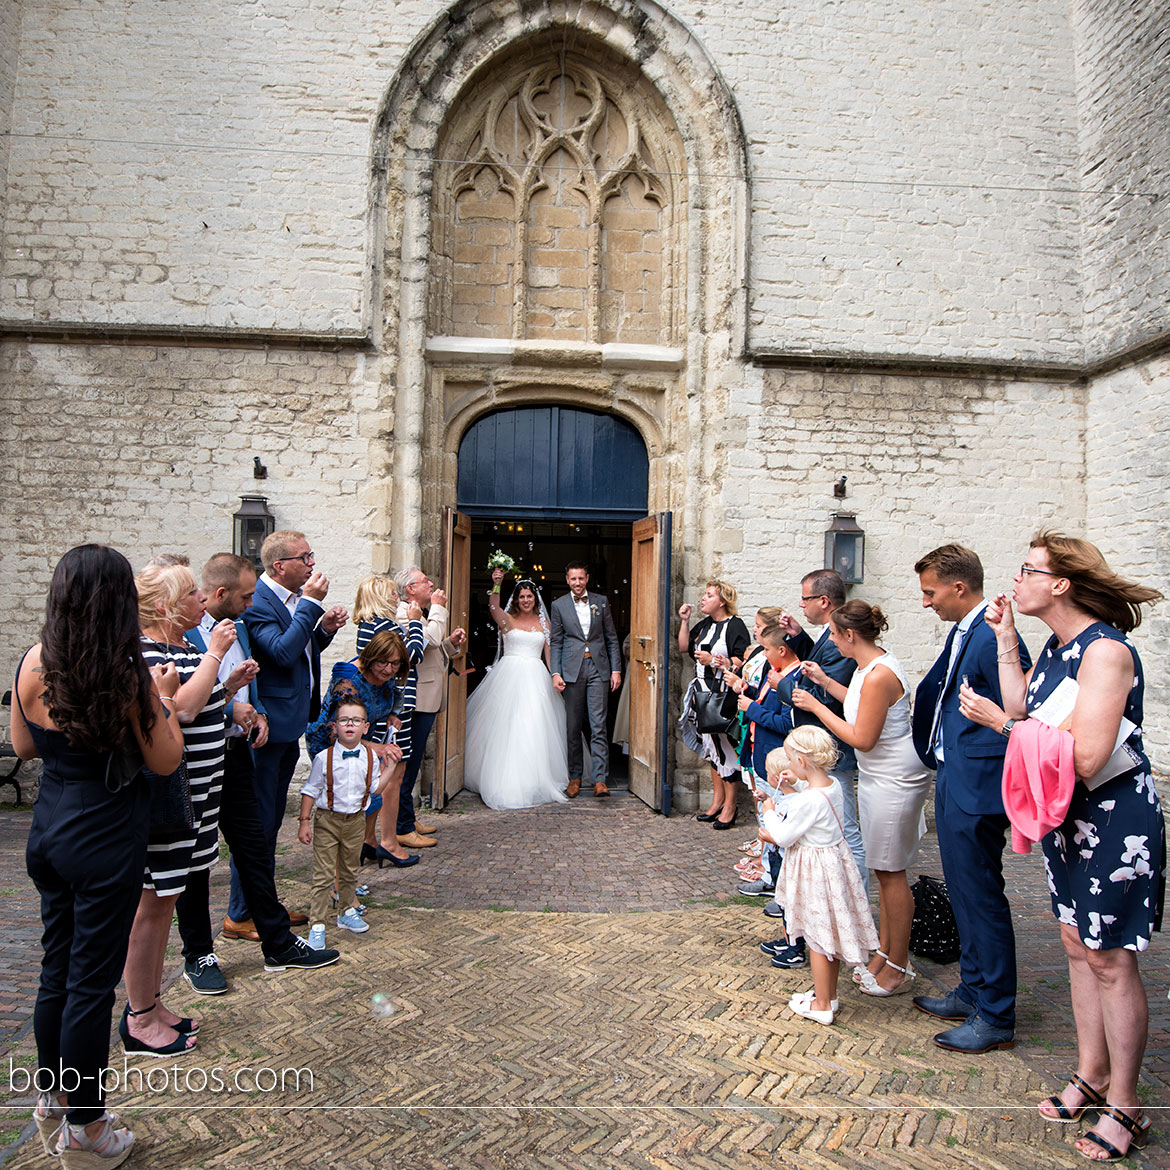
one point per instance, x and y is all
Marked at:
(516, 754)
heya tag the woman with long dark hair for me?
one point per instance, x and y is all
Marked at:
(1106, 862)
(86, 704)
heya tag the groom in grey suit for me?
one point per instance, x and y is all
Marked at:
(584, 648)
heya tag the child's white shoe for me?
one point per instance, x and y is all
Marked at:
(352, 920)
(804, 1007)
(807, 998)
(317, 936)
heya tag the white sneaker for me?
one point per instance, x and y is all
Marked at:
(352, 920)
(317, 936)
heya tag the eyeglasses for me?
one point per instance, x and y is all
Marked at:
(393, 663)
(350, 720)
(305, 559)
(812, 597)
(1027, 571)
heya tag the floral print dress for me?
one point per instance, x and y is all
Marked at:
(1106, 864)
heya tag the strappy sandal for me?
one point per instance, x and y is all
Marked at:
(49, 1118)
(1139, 1135)
(870, 986)
(1064, 1114)
(110, 1148)
(859, 972)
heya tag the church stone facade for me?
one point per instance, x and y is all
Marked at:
(924, 247)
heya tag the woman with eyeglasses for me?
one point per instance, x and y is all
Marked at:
(1106, 863)
(376, 678)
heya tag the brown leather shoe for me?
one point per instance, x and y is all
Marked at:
(295, 919)
(573, 789)
(416, 840)
(600, 789)
(242, 930)
(426, 830)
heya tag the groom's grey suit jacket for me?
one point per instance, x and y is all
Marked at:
(567, 644)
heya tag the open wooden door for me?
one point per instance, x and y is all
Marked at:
(649, 661)
(455, 575)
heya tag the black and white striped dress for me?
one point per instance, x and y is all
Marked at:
(414, 639)
(169, 858)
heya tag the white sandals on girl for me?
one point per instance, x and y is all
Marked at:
(802, 1005)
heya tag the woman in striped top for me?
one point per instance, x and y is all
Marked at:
(170, 602)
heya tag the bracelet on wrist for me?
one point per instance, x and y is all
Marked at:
(1006, 656)
(495, 589)
(212, 654)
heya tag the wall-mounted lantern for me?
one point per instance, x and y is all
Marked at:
(845, 547)
(250, 526)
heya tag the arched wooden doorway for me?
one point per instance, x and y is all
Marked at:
(546, 484)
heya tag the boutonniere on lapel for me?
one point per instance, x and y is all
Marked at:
(593, 610)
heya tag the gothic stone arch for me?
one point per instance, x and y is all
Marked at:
(603, 147)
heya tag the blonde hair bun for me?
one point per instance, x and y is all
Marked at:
(815, 744)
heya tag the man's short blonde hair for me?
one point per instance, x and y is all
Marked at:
(277, 547)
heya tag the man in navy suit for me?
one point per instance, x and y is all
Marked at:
(289, 626)
(968, 805)
(229, 582)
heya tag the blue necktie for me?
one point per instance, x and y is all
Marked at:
(356, 754)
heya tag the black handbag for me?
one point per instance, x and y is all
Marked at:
(717, 712)
(934, 933)
(170, 801)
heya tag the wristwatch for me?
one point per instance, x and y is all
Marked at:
(1006, 729)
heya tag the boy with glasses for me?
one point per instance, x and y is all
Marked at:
(341, 782)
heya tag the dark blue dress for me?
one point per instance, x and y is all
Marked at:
(1106, 864)
(347, 683)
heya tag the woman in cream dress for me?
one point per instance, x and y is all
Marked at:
(892, 783)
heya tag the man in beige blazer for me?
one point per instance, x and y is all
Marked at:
(414, 585)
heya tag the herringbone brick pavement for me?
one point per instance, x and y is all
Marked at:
(480, 1024)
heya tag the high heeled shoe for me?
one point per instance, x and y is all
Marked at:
(860, 970)
(870, 986)
(78, 1151)
(369, 853)
(186, 1026)
(718, 824)
(133, 1046)
(1063, 1114)
(397, 862)
(1139, 1135)
(706, 818)
(49, 1118)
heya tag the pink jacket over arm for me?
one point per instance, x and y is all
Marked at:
(1038, 781)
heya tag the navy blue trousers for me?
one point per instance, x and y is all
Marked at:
(972, 856)
(421, 723)
(275, 764)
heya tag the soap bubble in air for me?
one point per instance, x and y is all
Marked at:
(382, 1006)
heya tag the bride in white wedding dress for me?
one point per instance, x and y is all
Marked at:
(516, 754)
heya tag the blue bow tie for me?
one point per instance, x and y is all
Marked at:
(356, 754)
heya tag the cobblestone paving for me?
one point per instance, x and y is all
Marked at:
(576, 986)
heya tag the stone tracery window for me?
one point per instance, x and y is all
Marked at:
(558, 206)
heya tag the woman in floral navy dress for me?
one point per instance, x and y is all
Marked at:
(1106, 863)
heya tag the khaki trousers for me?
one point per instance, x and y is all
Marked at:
(337, 843)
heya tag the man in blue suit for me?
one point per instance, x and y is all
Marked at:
(289, 626)
(968, 805)
(229, 582)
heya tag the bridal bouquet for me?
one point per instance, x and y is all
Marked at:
(501, 560)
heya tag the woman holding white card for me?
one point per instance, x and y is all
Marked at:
(1106, 863)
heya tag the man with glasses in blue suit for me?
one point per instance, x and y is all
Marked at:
(288, 626)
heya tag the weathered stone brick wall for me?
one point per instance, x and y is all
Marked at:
(914, 174)
(1128, 419)
(1123, 63)
(149, 449)
(905, 187)
(927, 461)
(9, 57)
